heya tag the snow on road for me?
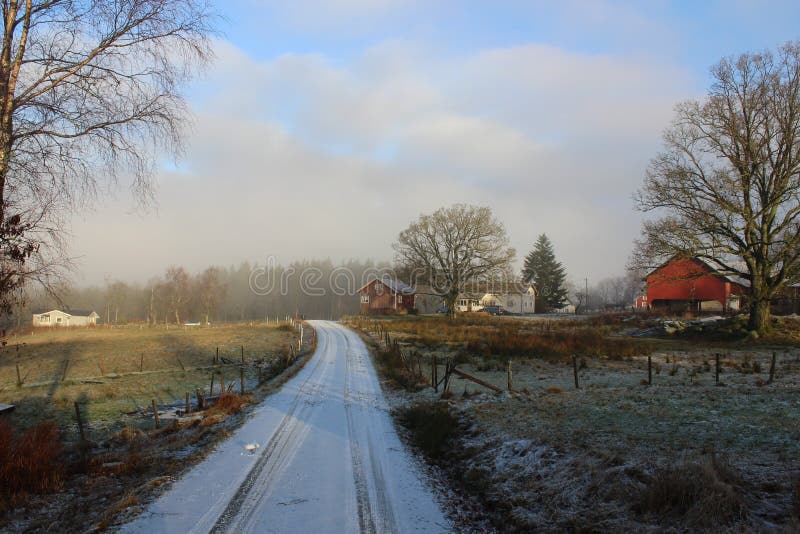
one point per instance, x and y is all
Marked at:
(328, 459)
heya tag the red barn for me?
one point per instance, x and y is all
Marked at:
(386, 296)
(694, 284)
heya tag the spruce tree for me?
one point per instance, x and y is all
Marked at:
(546, 273)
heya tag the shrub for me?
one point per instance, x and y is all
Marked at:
(705, 494)
(432, 425)
(30, 463)
(231, 404)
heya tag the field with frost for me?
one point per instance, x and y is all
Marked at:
(688, 451)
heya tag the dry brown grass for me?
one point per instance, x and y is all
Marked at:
(706, 494)
(230, 404)
(432, 425)
(29, 463)
(112, 371)
(505, 338)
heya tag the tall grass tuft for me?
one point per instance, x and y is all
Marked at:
(705, 494)
(432, 425)
(30, 463)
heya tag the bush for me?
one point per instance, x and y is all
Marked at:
(705, 494)
(231, 404)
(30, 463)
(432, 425)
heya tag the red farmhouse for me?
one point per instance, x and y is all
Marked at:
(386, 296)
(694, 284)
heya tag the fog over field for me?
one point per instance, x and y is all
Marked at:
(323, 131)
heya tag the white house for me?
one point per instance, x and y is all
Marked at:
(61, 318)
(518, 299)
(468, 302)
(569, 308)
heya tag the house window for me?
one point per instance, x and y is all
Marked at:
(399, 299)
(44, 318)
(364, 299)
(58, 319)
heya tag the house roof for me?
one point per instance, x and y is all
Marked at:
(74, 313)
(395, 285)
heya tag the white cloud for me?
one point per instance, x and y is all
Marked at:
(301, 157)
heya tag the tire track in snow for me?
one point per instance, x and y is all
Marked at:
(367, 509)
(275, 455)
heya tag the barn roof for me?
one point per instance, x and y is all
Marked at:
(717, 267)
(712, 265)
(395, 285)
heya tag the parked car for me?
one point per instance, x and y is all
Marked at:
(495, 310)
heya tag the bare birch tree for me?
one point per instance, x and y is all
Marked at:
(454, 247)
(210, 289)
(90, 90)
(727, 185)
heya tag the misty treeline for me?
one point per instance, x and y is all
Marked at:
(614, 293)
(249, 291)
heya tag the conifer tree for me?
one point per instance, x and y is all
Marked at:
(546, 273)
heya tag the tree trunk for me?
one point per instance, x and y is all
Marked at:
(450, 301)
(177, 317)
(759, 315)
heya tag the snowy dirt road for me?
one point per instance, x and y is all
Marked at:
(328, 460)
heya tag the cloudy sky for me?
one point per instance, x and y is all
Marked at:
(324, 128)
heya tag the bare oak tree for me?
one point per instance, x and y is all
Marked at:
(727, 184)
(453, 248)
(89, 90)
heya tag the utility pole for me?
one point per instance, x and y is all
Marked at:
(586, 293)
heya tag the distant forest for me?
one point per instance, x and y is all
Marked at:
(317, 289)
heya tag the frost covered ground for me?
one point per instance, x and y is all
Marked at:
(681, 454)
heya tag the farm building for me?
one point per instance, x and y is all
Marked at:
(62, 318)
(788, 301)
(693, 284)
(386, 296)
(427, 301)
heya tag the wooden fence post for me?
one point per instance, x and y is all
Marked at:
(575, 370)
(199, 399)
(80, 422)
(716, 369)
(66, 366)
(649, 370)
(141, 363)
(510, 377)
(242, 354)
(241, 379)
(188, 406)
(446, 379)
(155, 414)
(19, 378)
(771, 369)
(216, 357)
